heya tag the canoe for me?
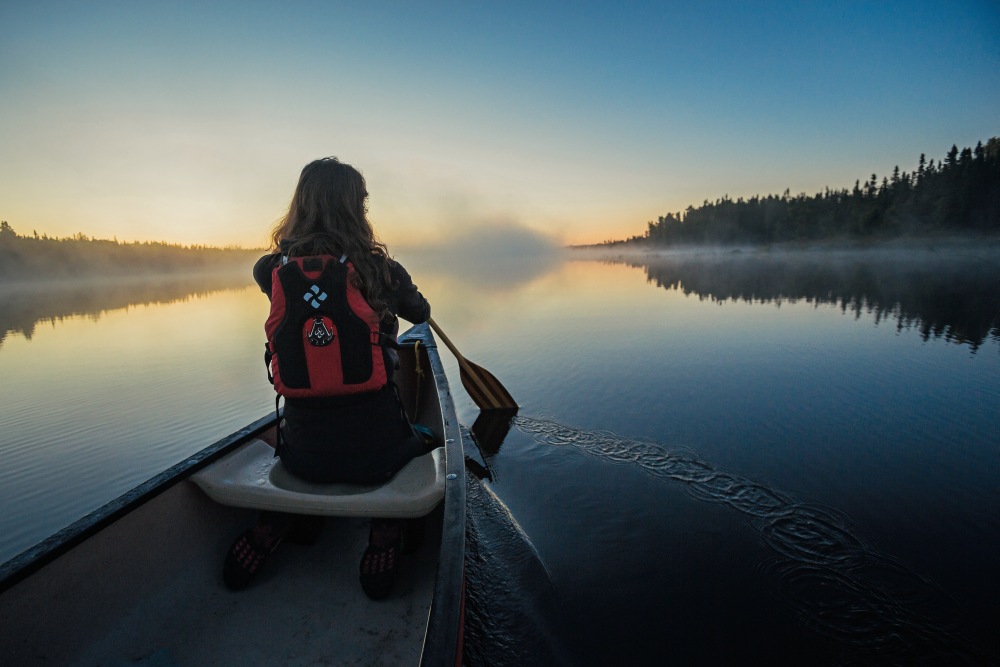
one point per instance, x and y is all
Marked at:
(139, 581)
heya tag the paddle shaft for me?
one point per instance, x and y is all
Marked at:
(447, 341)
(484, 389)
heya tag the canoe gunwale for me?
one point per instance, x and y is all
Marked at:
(35, 558)
(445, 623)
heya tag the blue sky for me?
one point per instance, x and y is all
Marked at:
(578, 121)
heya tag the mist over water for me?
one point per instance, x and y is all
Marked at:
(497, 254)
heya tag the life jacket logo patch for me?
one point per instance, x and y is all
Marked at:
(315, 296)
(319, 335)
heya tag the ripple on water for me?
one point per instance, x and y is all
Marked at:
(837, 583)
(812, 535)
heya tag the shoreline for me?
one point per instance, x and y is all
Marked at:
(917, 245)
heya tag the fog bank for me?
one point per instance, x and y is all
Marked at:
(496, 253)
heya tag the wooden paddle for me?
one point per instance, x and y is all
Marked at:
(484, 389)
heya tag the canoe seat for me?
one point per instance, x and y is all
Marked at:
(252, 477)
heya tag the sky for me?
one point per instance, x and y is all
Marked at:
(565, 122)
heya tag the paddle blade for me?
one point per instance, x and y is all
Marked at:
(484, 389)
(490, 430)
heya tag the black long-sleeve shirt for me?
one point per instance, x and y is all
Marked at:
(362, 438)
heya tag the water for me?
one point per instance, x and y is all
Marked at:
(104, 389)
(725, 459)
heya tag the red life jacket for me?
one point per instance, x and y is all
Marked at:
(322, 336)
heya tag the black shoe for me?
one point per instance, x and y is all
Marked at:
(250, 551)
(381, 558)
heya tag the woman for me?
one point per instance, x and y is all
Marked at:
(347, 436)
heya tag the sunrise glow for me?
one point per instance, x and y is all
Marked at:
(189, 124)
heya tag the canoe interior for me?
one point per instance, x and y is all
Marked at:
(147, 588)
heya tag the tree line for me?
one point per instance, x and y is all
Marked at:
(958, 194)
(35, 257)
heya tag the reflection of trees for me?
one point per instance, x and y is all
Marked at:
(955, 296)
(24, 305)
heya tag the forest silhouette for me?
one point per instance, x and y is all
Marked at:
(43, 258)
(959, 194)
(44, 279)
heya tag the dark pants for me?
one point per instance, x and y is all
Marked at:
(363, 439)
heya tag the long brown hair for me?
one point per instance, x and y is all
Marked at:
(328, 215)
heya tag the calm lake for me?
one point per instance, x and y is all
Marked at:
(720, 458)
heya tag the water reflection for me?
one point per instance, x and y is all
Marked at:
(950, 293)
(24, 305)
